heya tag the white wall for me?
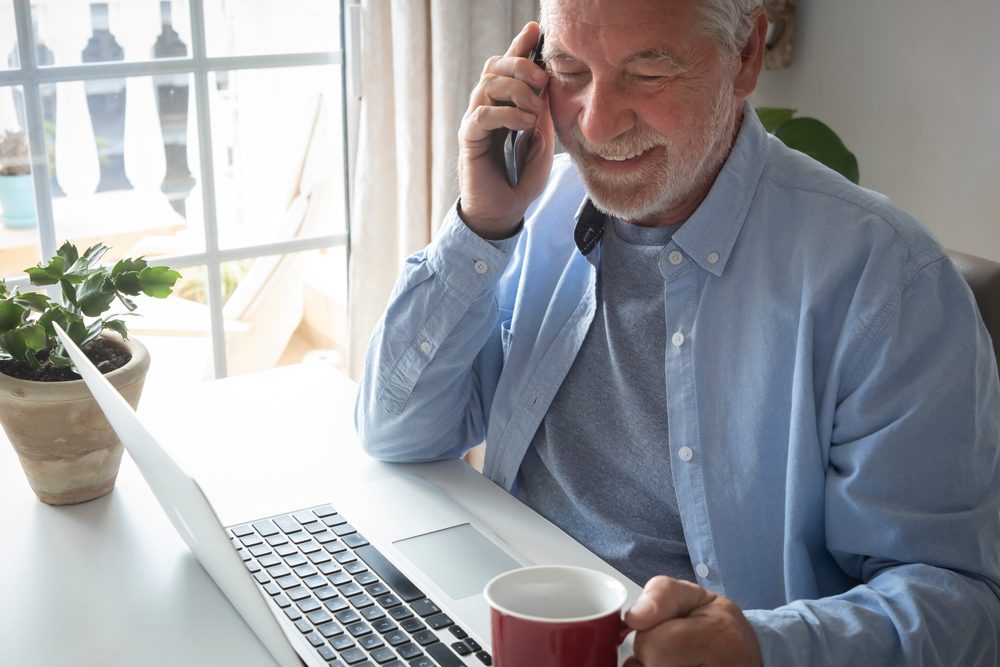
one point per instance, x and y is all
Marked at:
(913, 89)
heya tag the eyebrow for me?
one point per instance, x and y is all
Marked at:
(551, 52)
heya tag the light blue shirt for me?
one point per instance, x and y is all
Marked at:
(833, 400)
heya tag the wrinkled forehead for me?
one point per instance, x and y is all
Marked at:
(614, 13)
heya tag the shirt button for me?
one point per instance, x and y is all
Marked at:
(685, 453)
(713, 258)
(675, 258)
(701, 570)
(480, 266)
(425, 346)
(677, 339)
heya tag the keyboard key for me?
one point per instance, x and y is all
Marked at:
(383, 655)
(358, 568)
(251, 564)
(399, 613)
(360, 601)
(326, 653)
(324, 593)
(260, 550)
(271, 588)
(356, 540)
(305, 570)
(300, 537)
(345, 557)
(265, 527)
(319, 617)
(412, 625)
(383, 626)
(286, 551)
(409, 652)
(389, 601)
(376, 590)
(342, 642)
(444, 656)
(287, 524)
(329, 567)
(439, 621)
(315, 639)
(358, 629)
(461, 648)
(371, 642)
(364, 578)
(324, 537)
(330, 629)
(458, 632)
(343, 529)
(334, 520)
(309, 547)
(324, 511)
(349, 589)
(282, 601)
(293, 613)
(484, 658)
(261, 577)
(279, 571)
(422, 661)
(305, 516)
(304, 626)
(335, 547)
(297, 593)
(348, 616)
(389, 573)
(424, 608)
(277, 540)
(318, 557)
(241, 531)
(295, 560)
(473, 644)
(315, 581)
(251, 540)
(313, 528)
(337, 604)
(352, 656)
(269, 560)
(372, 613)
(288, 581)
(396, 638)
(308, 605)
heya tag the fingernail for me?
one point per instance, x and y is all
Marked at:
(642, 606)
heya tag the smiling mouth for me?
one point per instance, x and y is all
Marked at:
(620, 161)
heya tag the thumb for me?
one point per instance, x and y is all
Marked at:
(665, 598)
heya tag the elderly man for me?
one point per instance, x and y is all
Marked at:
(754, 387)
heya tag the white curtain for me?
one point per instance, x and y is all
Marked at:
(420, 61)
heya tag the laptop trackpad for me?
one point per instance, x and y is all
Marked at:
(460, 559)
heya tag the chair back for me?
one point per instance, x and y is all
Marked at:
(983, 276)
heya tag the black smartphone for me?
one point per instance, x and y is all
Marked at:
(512, 147)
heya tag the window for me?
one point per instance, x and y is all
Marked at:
(209, 135)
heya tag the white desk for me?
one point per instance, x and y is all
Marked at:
(109, 582)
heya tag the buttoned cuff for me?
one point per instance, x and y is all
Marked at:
(466, 262)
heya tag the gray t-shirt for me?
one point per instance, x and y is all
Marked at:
(599, 464)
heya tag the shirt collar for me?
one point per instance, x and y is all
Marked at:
(709, 235)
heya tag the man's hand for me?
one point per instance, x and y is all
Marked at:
(681, 623)
(506, 97)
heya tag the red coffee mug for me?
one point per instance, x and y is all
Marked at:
(556, 616)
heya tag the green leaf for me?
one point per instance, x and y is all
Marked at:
(128, 265)
(11, 315)
(48, 274)
(3, 288)
(91, 256)
(23, 344)
(34, 300)
(60, 360)
(93, 331)
(95, 294)
(60, 316)
(77, 331)
(158, 281)
(127, 282)
(118, 326)
(127, 302)
(68, 252)
(68, 291)
(772, 117)
(819, 142)
(34, 337)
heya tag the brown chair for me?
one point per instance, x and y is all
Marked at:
(983, 276)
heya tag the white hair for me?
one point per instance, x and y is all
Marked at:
(729, 21)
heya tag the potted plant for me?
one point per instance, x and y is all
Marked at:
(17, 194)
(812, 137)
(66, 446)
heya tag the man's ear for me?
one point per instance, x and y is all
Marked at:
(751, 56)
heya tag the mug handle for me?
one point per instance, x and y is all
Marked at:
(623, 630)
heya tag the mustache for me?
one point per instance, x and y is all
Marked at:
(634, 142)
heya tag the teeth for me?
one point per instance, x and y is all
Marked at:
(623, 157)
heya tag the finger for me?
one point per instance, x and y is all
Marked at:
(505, 90)
(682, 641)
(525, 40)
(482, 121)
(665, 598)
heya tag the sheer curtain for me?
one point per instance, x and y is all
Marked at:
(420, 61)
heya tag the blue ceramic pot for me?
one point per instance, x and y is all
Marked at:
(17, 201)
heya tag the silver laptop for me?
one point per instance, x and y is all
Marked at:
(309, 583)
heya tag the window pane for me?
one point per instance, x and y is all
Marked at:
(254, 27)
(285, 307)
(8, 36)
(71, 32)
(126, 162)
(279, 167)
(18, 219)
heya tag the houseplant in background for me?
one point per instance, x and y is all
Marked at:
(66, 446)
(812, 137)
(17, 195)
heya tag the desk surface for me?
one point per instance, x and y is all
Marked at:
(109, 582)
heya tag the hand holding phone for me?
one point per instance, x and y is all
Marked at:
(513, 150)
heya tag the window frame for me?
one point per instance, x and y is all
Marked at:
(30, 77)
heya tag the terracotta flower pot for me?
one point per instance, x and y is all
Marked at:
(68, 450)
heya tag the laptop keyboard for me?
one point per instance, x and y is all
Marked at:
(353, 605)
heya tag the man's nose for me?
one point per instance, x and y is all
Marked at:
(605, 114)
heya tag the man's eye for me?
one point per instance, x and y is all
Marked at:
(567, 75)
